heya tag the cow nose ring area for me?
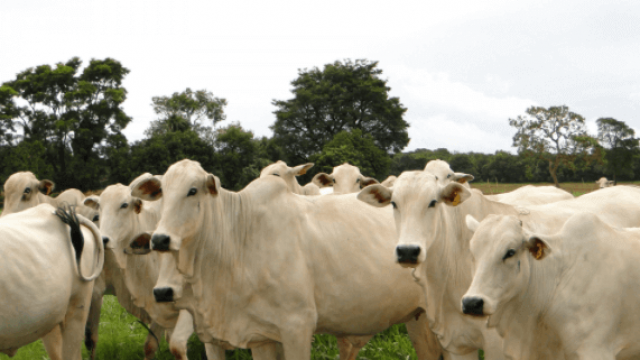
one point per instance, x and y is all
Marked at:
(161, 242)
(407, 254)
(163, 294)
(472, 306)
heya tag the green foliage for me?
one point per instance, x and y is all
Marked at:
(556, 135)
(342, 96)
(69, 113)
(237, 155)
(356, 149)
(621, 146)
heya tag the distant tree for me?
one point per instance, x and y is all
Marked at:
(356, 149)
(555, 135)
(621, 146)
(187, 110)
(238, 156)
(341, 97)
(67, 112)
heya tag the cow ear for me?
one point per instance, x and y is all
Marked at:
(538, 247)
(149, 188)
(453, 194)
(376, 195)
(92, 201)
(140, 245)
(212, 184)
(472, 223)
(323, 180)
(301, 169)
(46, 186)
(366, 181)
(137, 205)
(462, 178)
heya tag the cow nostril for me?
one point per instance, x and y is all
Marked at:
(105, 240)
(408, 253)
(473, 306)
(161, 242)
(164, 294)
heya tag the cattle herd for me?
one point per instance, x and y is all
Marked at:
(531, 274)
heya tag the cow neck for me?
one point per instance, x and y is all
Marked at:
(522, 322)
(141, 271)
(449, 271)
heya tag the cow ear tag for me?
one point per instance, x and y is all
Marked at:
(456, 200)
(537, 251)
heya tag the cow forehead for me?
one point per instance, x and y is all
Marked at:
(184, 173)
(280, 167)
(114, 193)
(346, 170)
(496, 233)
(18, 181)
(417, 185)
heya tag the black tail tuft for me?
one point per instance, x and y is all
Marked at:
(67, 213)
(88, 340)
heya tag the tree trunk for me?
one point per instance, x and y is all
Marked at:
(552, 171)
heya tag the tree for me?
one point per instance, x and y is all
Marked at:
(188, 109)
(341, 97)
(353, 148)
(621, 146)
(68, 113)
(555, 135)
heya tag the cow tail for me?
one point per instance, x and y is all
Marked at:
(68, 215)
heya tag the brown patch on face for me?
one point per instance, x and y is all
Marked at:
(538, 249)
(150, 188)
(141, 242)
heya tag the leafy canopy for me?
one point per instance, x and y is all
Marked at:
(621, 146)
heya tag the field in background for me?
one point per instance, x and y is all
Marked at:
(121, 337)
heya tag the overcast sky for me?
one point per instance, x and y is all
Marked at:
(462, 68)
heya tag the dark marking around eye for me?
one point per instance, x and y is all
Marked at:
(358, 180)
(27, 190)
(334, 181)
(192, 192)
(124, 206)
(448, 176)
(433, 203)
(518, 265)
(276, 175)
(96, 218)
(509, 254)
(394, 205)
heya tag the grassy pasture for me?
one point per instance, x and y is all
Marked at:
(121, 337)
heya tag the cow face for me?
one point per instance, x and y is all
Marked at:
(501, 250)
(444, 174)
(418, 202)
(119, 222)
(21, 192)
(345, 179)
(287, 173)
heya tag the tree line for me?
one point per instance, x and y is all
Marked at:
(65, 123)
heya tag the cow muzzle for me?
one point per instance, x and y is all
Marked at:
(160, 242)
(473, 306)
(163, 294)
(408, 254)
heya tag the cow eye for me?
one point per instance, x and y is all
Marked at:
(358, 180)
(334, 181)
(96, 218)
(192, 191)
(27, 190)
(433, 203)
(509, 254)
(276, 175)
(124, 206)
(393, 203)
(448, 176)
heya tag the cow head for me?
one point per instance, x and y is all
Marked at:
(502, 250)
(21, 192)
(442, 170)
(288, 174)
(119, 221)
(418, 200)
(345, 179)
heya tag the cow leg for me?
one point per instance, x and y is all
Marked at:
(349, 346)
(74, 328)
(296, 343)
(423, 339)
(470, 356)
(180, 335)
(151, 344)
(53, 343)
(93, 324)
(268, 351)
(214, 352)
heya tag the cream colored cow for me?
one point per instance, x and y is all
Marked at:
(443, 173)
(47, 274)
(23, 190)
(289, 175)
(267, 265)
(570, 295)
(345, 179)
(532, 195)
(388, 182)
(603, 182)
(433, 239)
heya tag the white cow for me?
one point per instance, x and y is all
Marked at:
(532, 195)
(23, 190)
(267, 265)
(345, 179)
(433, 239)
(570, 295)
(48, 270)
(603, 182)
(122, 218)
(445, 175)
(388, 182)
(289, 175)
